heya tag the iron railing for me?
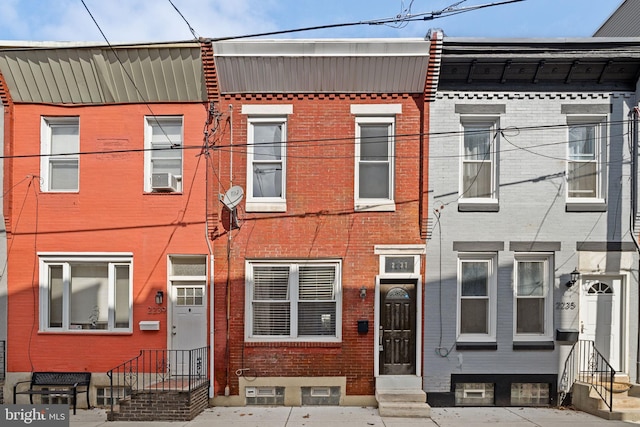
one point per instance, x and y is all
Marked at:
(586, 364)
(3, 358)
(159, 370)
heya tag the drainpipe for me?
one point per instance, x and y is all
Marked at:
(633, 115)
(227, 390)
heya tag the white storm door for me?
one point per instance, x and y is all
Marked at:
(601, 316)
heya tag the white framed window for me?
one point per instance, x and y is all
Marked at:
(266, 164)
(374, 171)
(478, 177)
(586, 158)
(294, 301)
(477, 293)
(533, 299)
(86, 292)
(60, 146)
(163, 142)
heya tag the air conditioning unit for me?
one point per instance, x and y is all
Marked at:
(164, 182)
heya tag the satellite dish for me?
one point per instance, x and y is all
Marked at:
(232, 197)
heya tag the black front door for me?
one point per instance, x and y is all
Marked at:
(397, 328)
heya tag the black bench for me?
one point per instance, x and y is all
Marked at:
(68, 384)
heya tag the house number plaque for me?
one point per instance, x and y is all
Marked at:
(398, 264)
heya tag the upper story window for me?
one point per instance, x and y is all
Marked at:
(585, 164)
(375, 156)
(266, 157)
(533, 315)
(163, 154)
(477, 283)
(60, 146)
(294, 301)
(86, 293)
(478, 180)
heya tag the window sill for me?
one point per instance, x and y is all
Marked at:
(299, 344)
(84, 332)
(489, 206)
(586, 207)
(533, 345)
(462, 345)
(375, 206)
(253, 206)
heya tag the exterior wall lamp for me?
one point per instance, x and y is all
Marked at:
(363, 292)
(159, 297)
(575, 276)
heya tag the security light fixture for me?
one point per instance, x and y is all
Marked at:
(363, 292)
(159, 297)
(575, 276)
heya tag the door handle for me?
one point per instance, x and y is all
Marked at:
(582, 327)
(380, 334)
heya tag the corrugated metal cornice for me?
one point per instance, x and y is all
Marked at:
(322, 66)
(103, 75)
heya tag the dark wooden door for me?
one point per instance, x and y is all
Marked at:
(398, 328)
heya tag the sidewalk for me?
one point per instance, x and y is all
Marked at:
(323, 416)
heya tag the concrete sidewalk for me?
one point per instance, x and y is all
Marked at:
(323, 416)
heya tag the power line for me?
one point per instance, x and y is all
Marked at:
(193, 32)
(402, 19)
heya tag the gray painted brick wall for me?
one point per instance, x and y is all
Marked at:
(532, 197)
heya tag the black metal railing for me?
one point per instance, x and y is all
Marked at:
(159, 370)
(586, 364)
(3, 359)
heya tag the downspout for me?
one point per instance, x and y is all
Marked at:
(634, 207)
(227, 390)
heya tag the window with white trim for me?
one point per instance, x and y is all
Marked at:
(266, 168)
(86, 293)
(477, 283)
(585, 163)
(60, 147)
(375, 172)
(533, 315)
(294, 301)
(163, 153)
(478, 180)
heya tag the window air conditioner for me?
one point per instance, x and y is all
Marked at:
(164, 182)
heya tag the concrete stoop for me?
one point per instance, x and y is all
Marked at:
(626, 404)
(408, 403)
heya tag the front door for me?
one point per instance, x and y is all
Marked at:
(397, 328)
(189, 321)
(600, 316)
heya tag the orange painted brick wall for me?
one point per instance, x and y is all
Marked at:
(110, 213)
(320, 222)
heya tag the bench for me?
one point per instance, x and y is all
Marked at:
(68, 384)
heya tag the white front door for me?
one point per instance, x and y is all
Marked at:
(189, 321)
(601, 316)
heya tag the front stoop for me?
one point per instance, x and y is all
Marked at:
(408, 403)
(626, 404)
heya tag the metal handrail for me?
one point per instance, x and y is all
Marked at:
(586, 364)
(3, 359)
(159, 370)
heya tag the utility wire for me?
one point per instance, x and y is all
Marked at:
(427, 16)
(193, 32)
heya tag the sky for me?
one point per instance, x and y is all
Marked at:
(158, 20)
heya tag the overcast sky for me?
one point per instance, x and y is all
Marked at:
(157, 20)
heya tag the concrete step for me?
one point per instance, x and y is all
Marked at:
(401, 395)
(619, 415)
(404, 409)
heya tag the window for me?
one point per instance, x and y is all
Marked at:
(479, 145)
(163, 154)
(267, 163)
(533, 298)
(60, 146)
(477, 293)
(585, 163)
(374, 163)
(294, 301)
(85, 293)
